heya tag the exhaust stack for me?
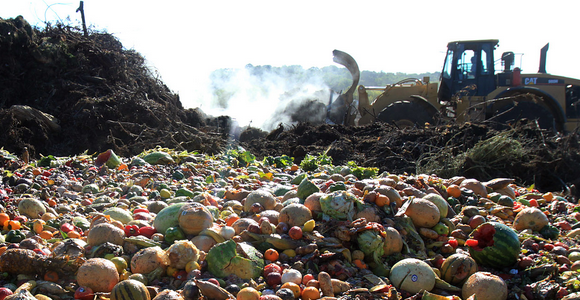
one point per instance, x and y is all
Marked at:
(543, 54)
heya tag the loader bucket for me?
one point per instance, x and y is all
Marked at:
(339, 109)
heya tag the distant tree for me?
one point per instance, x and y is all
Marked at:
(335, 78)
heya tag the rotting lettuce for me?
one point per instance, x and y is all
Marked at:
(371, 243)
(339, 205)
(279, 161)
(362, 172)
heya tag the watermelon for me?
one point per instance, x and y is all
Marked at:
(130, 289)
(498, 246)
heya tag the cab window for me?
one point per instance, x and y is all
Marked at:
(448, 63)
(467, 65)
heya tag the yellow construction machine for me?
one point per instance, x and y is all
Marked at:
(471, 88)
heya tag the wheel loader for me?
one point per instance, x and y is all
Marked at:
(472, 88)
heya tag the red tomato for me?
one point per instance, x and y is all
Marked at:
(5, 292)
(138, 210)
(131, 230)
(67, 227)
(84, 293)
(453, 243)
(272, 268)
(471, 243)
(147, 231)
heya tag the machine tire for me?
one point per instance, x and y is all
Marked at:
(510, 113)
(405, 113)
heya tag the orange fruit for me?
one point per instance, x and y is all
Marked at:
(231, 219)
(310, 293)
(45, 234)
(2, 249)
(360, 264)
(293, 287)
(454, 191)
(307, 278)
(51, 202)
(248, 293)
(382, 200)
(271, 254)
(73, 234)
(4, 217)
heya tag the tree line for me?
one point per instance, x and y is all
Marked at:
(336, 78)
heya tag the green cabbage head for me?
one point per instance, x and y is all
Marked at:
(339, 205)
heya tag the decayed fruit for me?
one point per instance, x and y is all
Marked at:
(477, 187)
(168, 217)
(485, 286)
(203, 242)
(494, 245)
(295, 214)
(393, 241)
(182, 252)
(194, 218)
(457, 268)
(412, 275)
(31, 208)
(99, 274)
(530, 218)
(263, 197)
(440, 202)
(130, 289)
(248, 293)
(149, 259)
(105, 232)
(423, 213)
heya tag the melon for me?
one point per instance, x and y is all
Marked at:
(130, 289)
(485, 286)
(412, 275)
(498, 246)
(168, 217)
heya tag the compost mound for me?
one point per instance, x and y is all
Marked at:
(63, 93)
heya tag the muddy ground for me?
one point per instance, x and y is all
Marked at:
(88, 93)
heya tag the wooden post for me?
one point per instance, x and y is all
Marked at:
(82, 10)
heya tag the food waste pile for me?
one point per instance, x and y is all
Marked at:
(169, 224)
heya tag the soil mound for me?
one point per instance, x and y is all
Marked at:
(94, 95)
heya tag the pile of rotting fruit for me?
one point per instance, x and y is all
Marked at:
(182, 225)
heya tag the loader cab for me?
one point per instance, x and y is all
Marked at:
(468, 69)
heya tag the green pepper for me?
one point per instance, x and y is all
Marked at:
(174, 234)
(15, 236)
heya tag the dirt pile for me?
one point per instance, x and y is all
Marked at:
(100, 95)
(532, 156)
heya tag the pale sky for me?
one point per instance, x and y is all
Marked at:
(186, 40)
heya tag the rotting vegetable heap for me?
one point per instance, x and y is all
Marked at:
(181, 225)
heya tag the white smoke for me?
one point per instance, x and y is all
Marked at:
(263, 97)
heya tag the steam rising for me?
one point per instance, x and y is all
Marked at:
(265, 97)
